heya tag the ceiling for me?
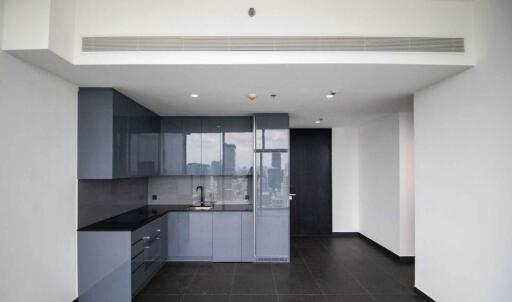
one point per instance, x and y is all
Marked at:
(364, 91)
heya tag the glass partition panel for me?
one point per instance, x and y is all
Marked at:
(271, 181)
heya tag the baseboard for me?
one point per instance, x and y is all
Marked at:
(405, 259)
(345, 234)
(423, 295)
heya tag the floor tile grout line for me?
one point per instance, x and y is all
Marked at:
(190, 282)
(356, 280)
(313, 277)
(232, 283)
(274, 282)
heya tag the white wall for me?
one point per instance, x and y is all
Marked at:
(62, 28)
(386, 182)
(463, 132)
(38, 122)
(40, 24)
(379, 182)
(60, 25)
(284, 17)
(345, 180)
(406, 149)
(26, 26)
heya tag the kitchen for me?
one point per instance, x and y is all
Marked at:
(191, 182)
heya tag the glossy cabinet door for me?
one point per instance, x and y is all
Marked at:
(173, 235)
(96, 133)
(237, 145)
(195, 236)
(227, 237)
(117, 138)
(172, 154)
(147, 146)
(139, 143)
(206, 146)
(211, 145)
(271, 178)
(192, 134)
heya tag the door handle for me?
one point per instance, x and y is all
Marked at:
(291, 195)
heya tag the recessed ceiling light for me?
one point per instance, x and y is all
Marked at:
(318, 121)
(194, 95)
(331, 95)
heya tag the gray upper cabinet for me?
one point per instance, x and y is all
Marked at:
(206, 146)
(237, 145)
(211, 145)
(172, 146)
(117, 138)
(192, 132)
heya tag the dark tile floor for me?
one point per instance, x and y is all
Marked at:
(326, 269)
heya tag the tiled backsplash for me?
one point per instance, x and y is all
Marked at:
(181, 189)
(101, 199)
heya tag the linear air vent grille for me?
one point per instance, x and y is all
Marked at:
(260, 43)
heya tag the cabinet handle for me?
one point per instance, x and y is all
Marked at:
(158, 230)
(146, 237)
(147, 247)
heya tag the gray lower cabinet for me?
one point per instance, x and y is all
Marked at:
(214, 236)
(148, 252)
(227, 237)
(113, 266)
(190, 236)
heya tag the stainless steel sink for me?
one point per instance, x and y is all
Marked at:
(200, 208)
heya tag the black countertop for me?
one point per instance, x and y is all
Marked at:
(139, 217)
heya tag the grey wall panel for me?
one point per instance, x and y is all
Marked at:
(95, 128)
(102, 199)
(227, 237)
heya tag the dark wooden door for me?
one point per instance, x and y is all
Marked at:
(310, 180)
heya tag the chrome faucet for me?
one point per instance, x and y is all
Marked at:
(202, 194)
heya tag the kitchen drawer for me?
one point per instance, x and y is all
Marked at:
(138, 279)
(137, 261)
(137, 247)
(152, 250)
(152, 267)
(138, 234)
